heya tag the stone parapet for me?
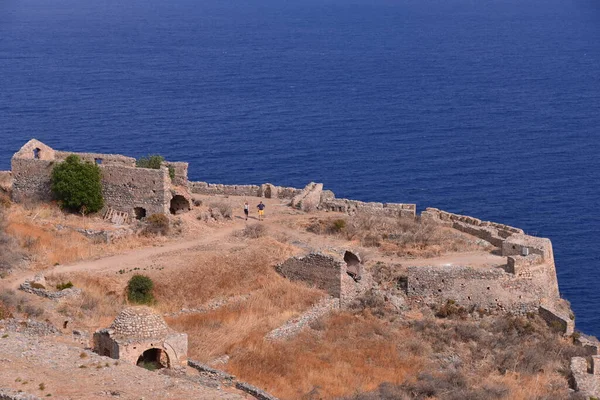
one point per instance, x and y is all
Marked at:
(482, 287)
(266, 190)
(352, 207)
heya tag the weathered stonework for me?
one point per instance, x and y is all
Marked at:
(586, 375)
(137, 191)
(139, 334)
(310, 197)
(266, 190)
(328, 273)
(352, 207)
(485, 287)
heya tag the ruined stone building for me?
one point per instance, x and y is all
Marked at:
(139, 336)
(125, 187)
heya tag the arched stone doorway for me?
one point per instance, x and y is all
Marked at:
(353, 267)
(179, 204)
(153, 359)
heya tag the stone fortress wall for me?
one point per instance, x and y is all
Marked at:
(526, 282)
(125, 187)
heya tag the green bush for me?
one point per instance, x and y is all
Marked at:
(150, 161)
(139, 290)
(63, 286)
(154, 161)
(76, 185)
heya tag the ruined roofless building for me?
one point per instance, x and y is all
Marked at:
(125, 187)
(140, 336)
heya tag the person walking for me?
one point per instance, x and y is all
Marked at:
(261, 211)
(246, 209)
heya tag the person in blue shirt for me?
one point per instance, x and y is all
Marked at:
(261, 211)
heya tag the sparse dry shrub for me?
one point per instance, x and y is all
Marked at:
(451, 310)
(156, 224)
(219, 274)
(224, 209)
(4, 311)
(400, 236)
(332, 360)
(10, 252)
(254, 231)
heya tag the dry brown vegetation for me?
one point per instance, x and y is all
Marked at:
(34, 227)
(268, 299)
(363, 357)
(402, 237)
(102, 298)
(367, 352)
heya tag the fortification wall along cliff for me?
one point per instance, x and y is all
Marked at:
(125, 187)
(265, 190)
(394, 210)
(526, 281)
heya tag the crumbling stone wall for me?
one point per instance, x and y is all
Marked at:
(31, 179)
(328, 273)
(352, 207)
(318, 270)
(310, 197)
(181, 172)
(483, 287)
(98, 158)
(266, 190)
(510, 240)
(124, 186)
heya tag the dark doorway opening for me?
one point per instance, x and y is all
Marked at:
(36, 153)
(179, 204)
(153, 359)
(353, 267)
(140, 212)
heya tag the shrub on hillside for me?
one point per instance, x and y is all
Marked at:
(254, 231)
(76, 185)
(139, 290)
(224, 209)
(156, 224)
(154, 161)
(63, 286)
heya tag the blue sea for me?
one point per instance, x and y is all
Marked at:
(489, 108)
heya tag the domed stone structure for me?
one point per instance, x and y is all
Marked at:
(140, 336)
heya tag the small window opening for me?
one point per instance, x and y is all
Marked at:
(98, 161)
(36, 153)
(140, 212)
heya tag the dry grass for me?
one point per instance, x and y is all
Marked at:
(231, 328)
(10, 252)
(348, 353)
(253, 231)
(222, 274)
(101, 300)
(393, 236)
(272, 300)
(34, 228)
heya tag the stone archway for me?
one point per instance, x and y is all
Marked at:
(353, 267)
(153, 359)
(179, 204)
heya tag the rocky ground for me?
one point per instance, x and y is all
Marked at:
(36, 360)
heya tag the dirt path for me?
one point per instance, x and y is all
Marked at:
(130, 259)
